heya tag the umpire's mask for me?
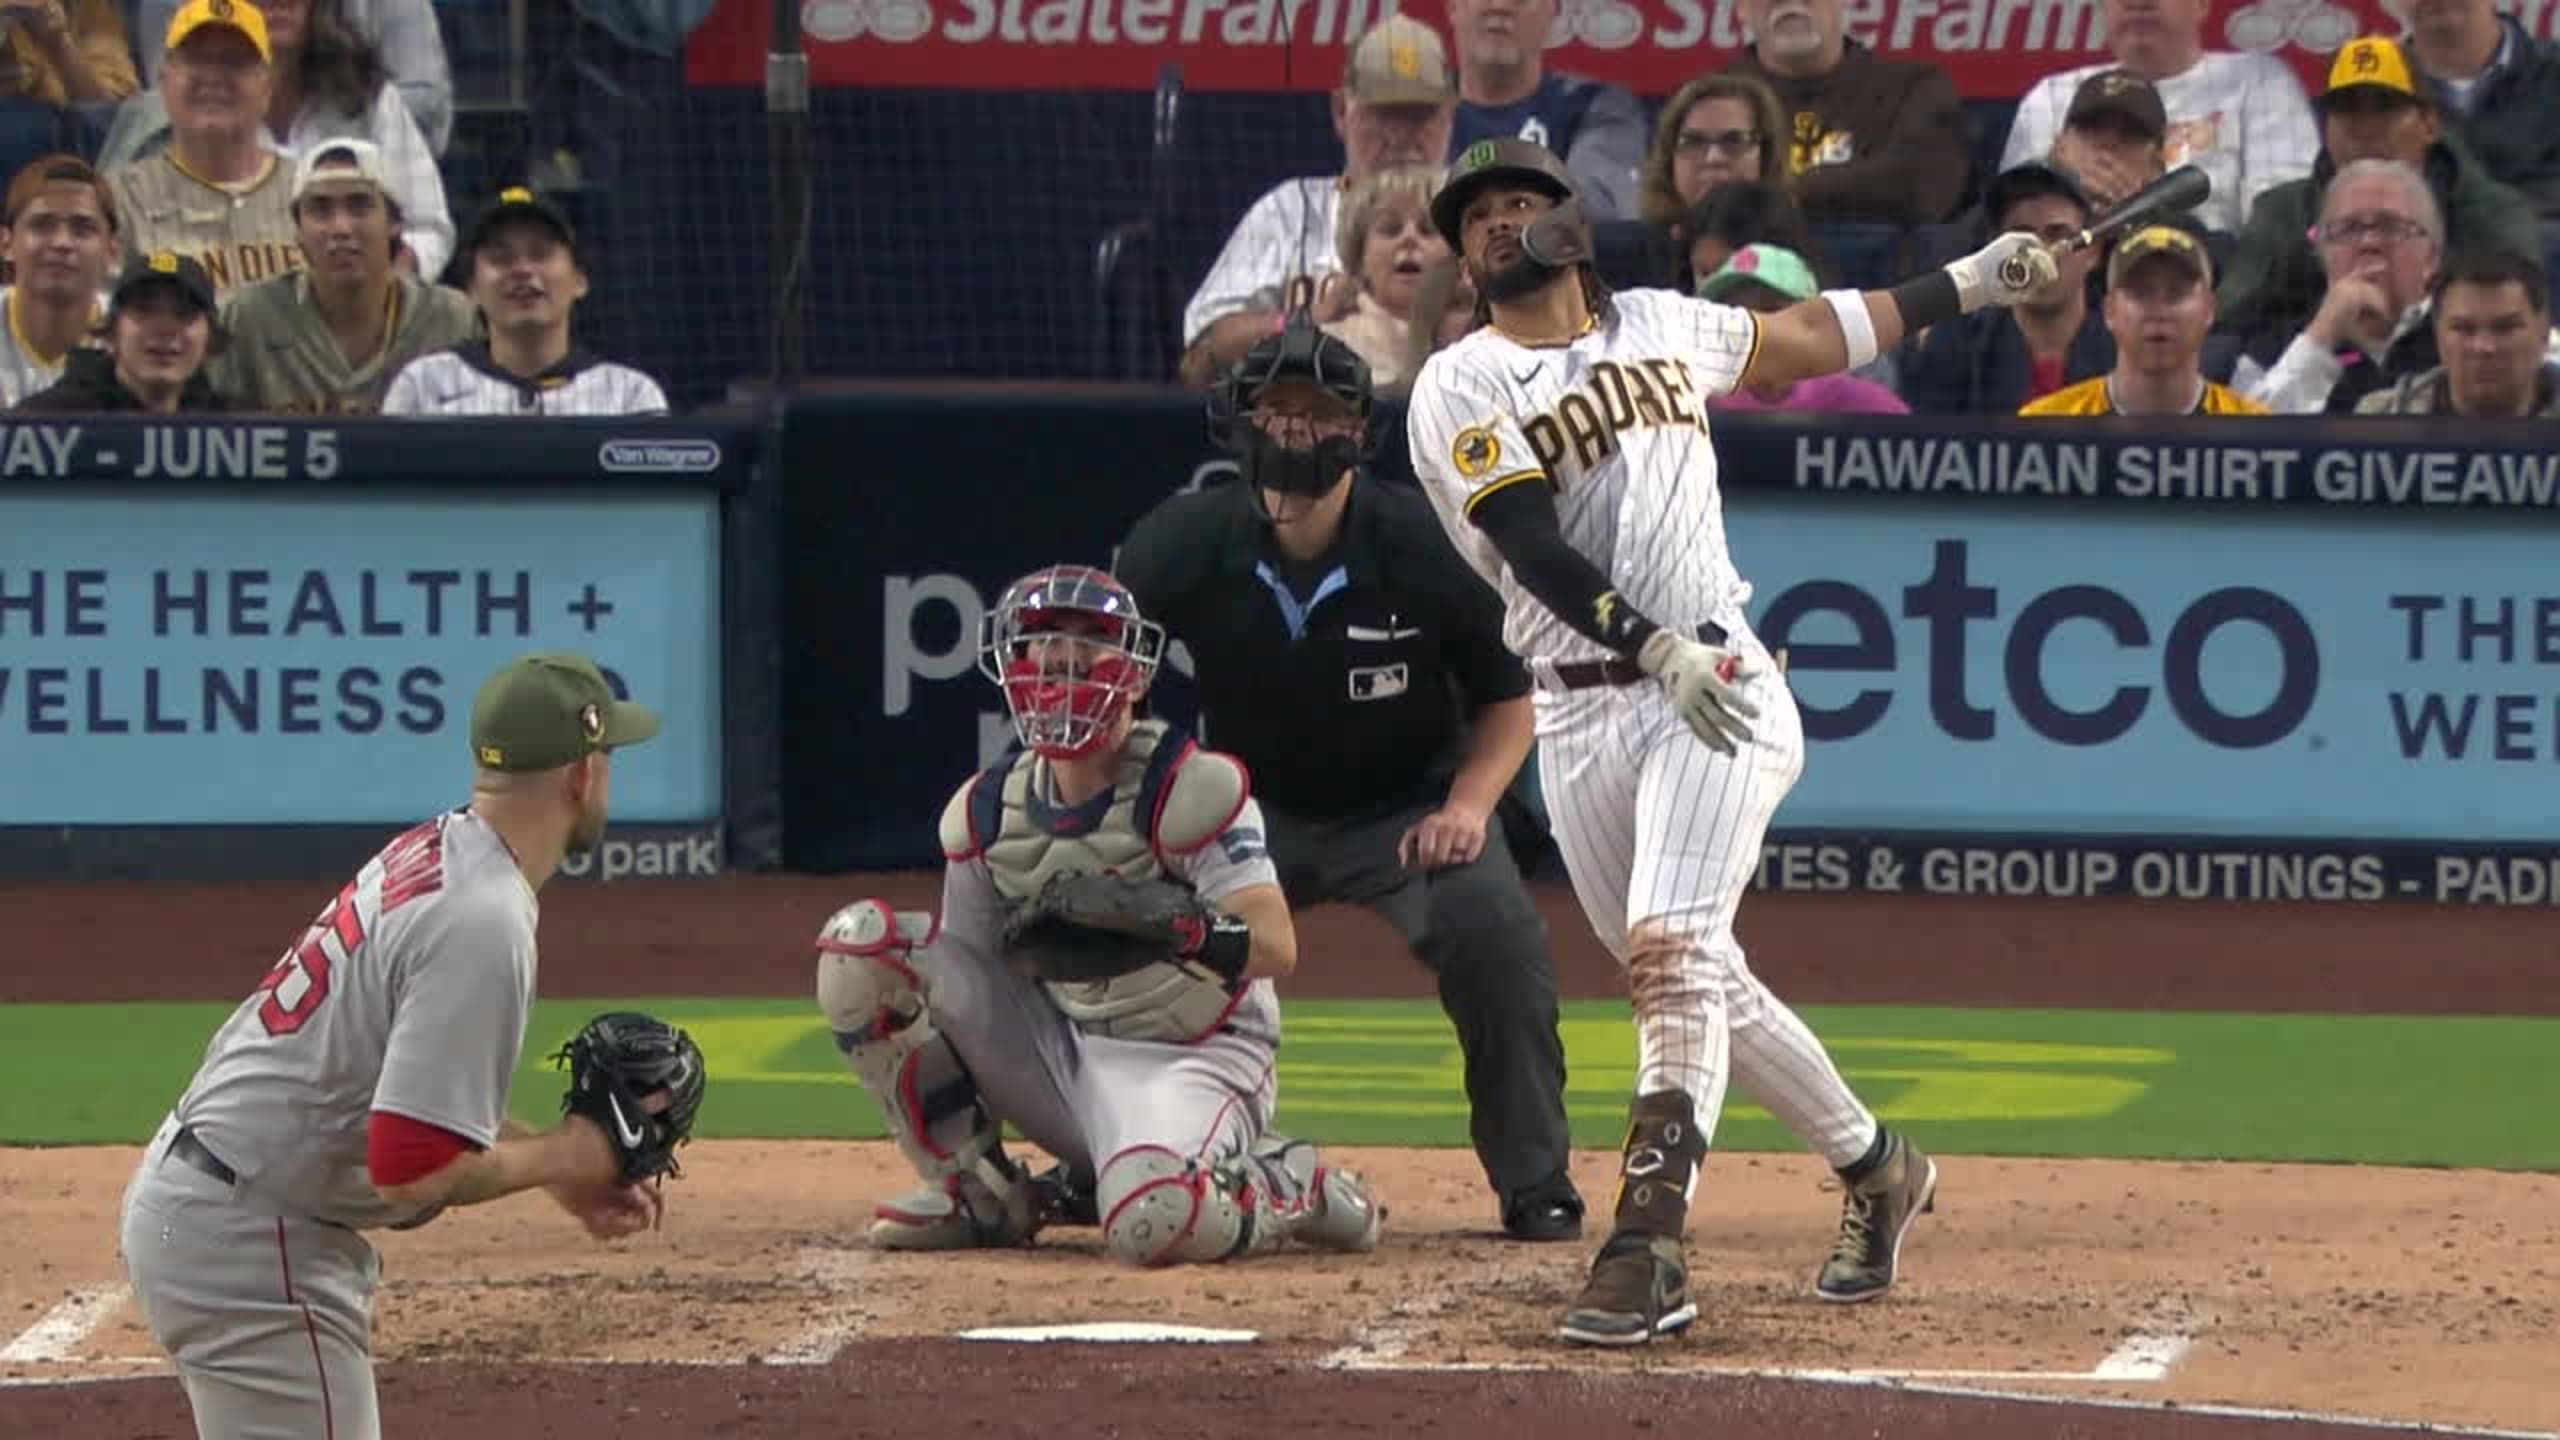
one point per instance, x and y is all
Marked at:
(1294, 411)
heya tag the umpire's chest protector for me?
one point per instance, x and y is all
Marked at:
(1170, 797)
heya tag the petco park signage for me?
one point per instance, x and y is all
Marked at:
(1994, 48)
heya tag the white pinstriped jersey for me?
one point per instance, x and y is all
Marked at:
(464, 381)
(1287, 233)
(23, 372)
(1616, 422)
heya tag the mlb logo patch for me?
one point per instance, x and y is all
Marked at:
(1377, 682)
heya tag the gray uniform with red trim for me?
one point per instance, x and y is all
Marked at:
(408, 994)
(1153, 1059)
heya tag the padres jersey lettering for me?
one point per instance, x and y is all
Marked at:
(1616, 422)
(240, 234)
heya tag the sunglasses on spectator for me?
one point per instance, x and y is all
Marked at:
(2389, 229)
(1727, 142)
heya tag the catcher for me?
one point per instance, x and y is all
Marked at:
(363, 1084)
(1101, 976)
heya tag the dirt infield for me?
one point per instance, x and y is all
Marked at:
(2412, 1295)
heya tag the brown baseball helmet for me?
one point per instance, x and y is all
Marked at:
(1509, 160)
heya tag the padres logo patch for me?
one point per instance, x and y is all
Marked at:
(1475, 452)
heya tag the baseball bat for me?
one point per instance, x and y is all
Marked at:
(2181, 189)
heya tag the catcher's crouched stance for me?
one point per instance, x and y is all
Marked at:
(1100, 977)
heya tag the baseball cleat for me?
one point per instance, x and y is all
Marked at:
(1876, 1213)
(962, 1213)
(1639, 1288)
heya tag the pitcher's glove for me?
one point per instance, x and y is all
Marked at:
(618, 1067)
(1083, 927)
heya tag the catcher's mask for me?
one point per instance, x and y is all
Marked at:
(1280, 411)
(1555, 239)
(1071, 653)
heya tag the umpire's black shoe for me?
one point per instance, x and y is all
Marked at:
(1550, 1212)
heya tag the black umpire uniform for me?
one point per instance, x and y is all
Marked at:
(1346, 682)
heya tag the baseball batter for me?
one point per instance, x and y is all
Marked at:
(364, 1084)
(1565, 446)
(1101, 978)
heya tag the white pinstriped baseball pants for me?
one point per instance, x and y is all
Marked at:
(1659, 831)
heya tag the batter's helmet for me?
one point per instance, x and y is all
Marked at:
(1558, 238)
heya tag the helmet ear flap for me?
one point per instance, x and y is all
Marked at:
(1559, 237)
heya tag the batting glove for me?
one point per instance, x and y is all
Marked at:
(2004, 272)
(1704, 685)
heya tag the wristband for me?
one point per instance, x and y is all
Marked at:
(1927, 300)
(1227, 947)
(1857, 327)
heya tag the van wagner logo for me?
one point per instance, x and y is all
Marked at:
(659, 457)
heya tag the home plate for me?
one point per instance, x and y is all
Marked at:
(1115, 1332)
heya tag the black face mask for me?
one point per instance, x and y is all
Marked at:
(1266, 464)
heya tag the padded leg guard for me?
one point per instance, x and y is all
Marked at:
(1313, 1203)
(874, 1001)
(1159, 1208)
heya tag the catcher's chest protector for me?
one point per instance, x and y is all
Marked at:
(1188, 795)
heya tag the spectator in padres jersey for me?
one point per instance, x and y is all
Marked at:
(215, 191)
(1505, 90)
(2240, 116)
(60, 241)
(1393, 109)
(2159, 307)
(1345, 655)
(328, 339)
(1994, 361)
(160, 332)
(322, 82)
(403, 32)
(1868, 139)
(2491, 311)
(525, 278)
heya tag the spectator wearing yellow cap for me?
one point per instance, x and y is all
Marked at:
(2373, 109)
(2159, 307)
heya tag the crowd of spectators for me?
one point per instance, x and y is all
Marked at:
(2380, 246)
(265, 227)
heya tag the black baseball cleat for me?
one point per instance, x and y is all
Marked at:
(1549, 1213)
(1639, 1288)
(1066, 1196)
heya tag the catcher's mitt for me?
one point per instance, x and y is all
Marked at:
(1096, 927)
(616, 1064)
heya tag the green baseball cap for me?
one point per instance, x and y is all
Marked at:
(544, 711)
(1775, 266)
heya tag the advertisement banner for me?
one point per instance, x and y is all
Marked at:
(2369, 671)
(1994, 49)
(308, 655)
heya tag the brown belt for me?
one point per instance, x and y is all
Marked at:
(185, 1148)
(1617, 670)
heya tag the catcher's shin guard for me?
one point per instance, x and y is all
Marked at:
(1159, 1208)
(874, 1002)
(1324, 1206)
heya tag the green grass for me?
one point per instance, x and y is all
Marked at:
(2368, 1089)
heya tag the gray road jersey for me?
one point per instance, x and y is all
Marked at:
(408, 994)
(283, 358)
(973, 913)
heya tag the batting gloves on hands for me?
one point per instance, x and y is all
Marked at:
(2004, 272)
(1704, 685)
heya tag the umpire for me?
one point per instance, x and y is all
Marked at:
(1348, 656)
